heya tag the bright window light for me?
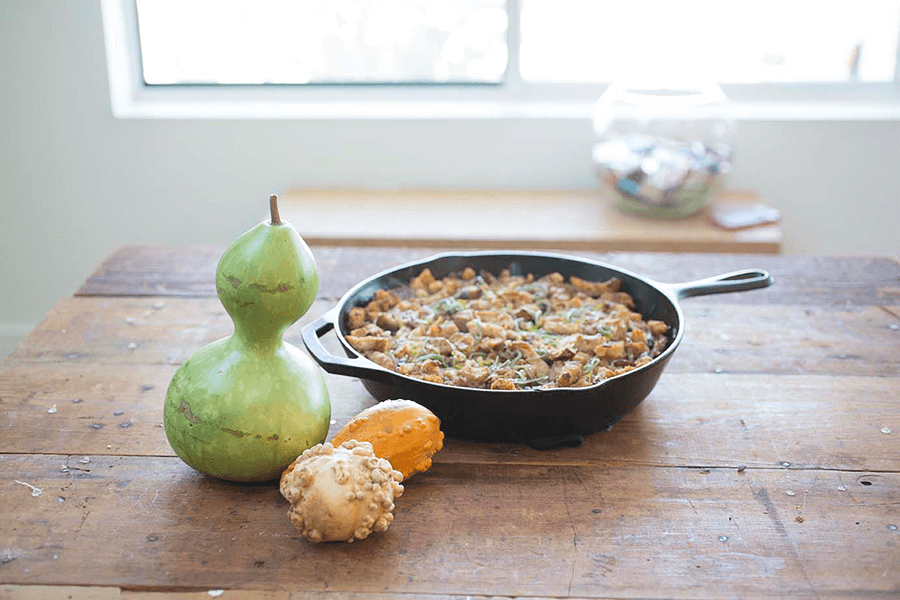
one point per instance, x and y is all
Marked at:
(545, 59)
(795, 41)
(322, 41)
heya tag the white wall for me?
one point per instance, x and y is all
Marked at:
(75, 183)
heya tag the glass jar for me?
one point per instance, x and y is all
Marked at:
(664, 148)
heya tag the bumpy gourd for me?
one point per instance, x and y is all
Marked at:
(402, 431)
(340, 493)
(244, 407)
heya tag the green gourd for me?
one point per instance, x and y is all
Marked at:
(244, 407)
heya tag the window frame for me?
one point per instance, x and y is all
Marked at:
(131, 97)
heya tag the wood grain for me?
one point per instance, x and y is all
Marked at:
(769, 339)
(108, 409)
(551, 531)
(529, 219)
(71, 592)
(806, 280)
(797, 382)
(689, 420)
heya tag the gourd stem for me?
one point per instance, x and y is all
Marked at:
(273, 209)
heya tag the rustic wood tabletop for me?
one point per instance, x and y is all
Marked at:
(766, 463)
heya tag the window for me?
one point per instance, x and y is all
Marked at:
(726, 42)
(322, 41)
(488, 58)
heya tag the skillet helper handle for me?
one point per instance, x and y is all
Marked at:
(737, 281)
(338, 365)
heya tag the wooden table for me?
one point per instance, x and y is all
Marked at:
(530, 219)
(798, 382)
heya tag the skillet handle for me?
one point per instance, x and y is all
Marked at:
(338, 365)
(737, 281)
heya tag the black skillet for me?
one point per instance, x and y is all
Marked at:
(551, 415)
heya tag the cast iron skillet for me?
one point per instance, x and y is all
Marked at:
(521, 415)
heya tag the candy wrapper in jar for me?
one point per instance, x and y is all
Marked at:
(655, 170)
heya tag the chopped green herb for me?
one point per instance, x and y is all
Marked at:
(478, 335)
(447, 306)
(531, 381)
(509, 362)
(432, 356)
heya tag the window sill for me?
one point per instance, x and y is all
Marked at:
(509, 218)
(169, 103)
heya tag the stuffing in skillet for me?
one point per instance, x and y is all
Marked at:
(506, 332)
